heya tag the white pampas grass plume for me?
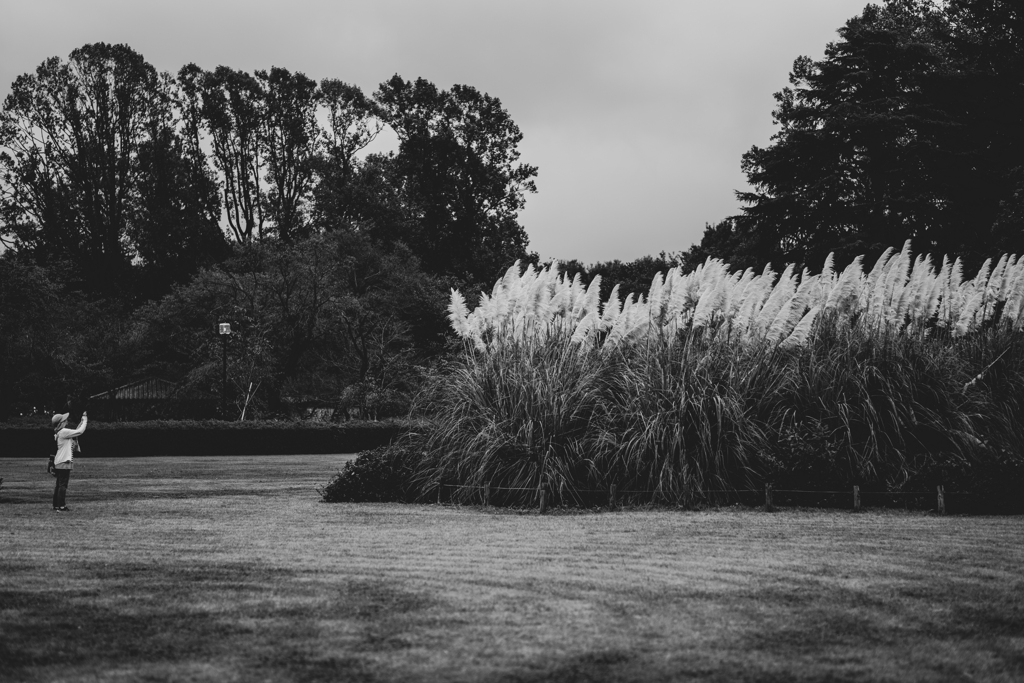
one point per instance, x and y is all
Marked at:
(802, 332)
(880, 267)
(592, 297)
(846, 289)
(585, 328)
(920, 287)
(827, 271)
(457, 314)
(1014, 296)
(611, 308)
(965, 322)
(512, 275)
(710, 302)
(780, 294)
(656, 295)
(789, 315)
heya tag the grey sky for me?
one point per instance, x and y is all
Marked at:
(635, 112)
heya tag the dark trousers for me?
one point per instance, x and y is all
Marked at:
(60, 488)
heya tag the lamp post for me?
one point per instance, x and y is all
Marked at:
(224, 330)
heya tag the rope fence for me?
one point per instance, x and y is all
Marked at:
(613, 495)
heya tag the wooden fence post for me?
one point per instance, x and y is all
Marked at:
(543, 499)
(856, 499)
(487, 493)
(440, 487)
(942, 500)
(611, 496)
(768, 498)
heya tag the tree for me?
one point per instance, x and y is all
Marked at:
(234, 114)
(35, 335)
(292, 148)
(988, 37)
(907, 129)
(177, 227)
(309, 318)
(457, 165)
(723, 240)
(346, 192)
(95, 176)
(632, 277)
(71, 135)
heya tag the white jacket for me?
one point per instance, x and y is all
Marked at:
(65, 445)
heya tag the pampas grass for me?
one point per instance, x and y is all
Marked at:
(891, 377)
(898, 293)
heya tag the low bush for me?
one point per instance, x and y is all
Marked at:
(380, 475)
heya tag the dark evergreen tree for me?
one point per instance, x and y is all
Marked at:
(910, 127)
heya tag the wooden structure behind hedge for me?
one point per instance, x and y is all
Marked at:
(151, 399)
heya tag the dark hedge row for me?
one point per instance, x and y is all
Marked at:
(210, 437)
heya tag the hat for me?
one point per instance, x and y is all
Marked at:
(58, 419)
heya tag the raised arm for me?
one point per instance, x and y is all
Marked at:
(78, 431)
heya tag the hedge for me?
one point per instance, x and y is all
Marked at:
(208, 437)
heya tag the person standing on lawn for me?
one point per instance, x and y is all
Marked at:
(67, 444)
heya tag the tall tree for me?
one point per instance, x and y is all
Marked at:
(910, 127)
(457, 160)
(95, 175)
(988, 38)
(71, 135)
(352, 123)
(234, 114)
(177, 228)
(292, 147)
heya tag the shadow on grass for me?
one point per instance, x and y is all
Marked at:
(215, 614)
(803, 628)
(923, 625)
(82, 494)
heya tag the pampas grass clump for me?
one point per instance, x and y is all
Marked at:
(892, 377)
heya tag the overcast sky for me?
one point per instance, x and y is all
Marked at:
(636, 113)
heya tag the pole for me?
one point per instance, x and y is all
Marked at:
(224, 379)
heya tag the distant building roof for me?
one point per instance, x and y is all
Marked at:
(151, 388)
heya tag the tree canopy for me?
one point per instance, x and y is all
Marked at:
(910, 127)
(138, 209)
(134, 179)
(92, 174)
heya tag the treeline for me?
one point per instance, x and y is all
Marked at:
(123, 175)
(141, 209)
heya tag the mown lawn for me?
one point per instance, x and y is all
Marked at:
(230, 569)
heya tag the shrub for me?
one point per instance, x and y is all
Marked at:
(379, 475)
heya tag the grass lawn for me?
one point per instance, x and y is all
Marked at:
(230, 569)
